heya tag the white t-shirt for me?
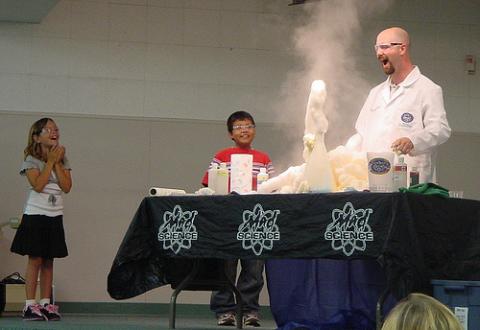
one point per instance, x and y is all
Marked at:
(49, 202)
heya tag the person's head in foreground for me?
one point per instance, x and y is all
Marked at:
(421, 312)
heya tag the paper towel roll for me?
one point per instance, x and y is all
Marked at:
(156, 191)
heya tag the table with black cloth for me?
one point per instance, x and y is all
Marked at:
(371, 241)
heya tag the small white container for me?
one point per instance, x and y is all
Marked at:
(222, 180)
(212, 176)
(400, 174)
(262, 176)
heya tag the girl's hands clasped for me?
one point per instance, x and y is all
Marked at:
(55, 154)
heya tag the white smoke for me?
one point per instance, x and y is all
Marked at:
(329, 44)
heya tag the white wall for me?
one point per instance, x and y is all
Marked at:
(198, 59)
(142, 88)
(169, 59)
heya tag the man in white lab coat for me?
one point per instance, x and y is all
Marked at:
(406, 112)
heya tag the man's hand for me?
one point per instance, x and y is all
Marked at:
(403, 145)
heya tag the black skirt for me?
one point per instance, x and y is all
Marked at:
(40, 236)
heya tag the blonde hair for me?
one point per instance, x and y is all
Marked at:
(421, 312)
(34, 149)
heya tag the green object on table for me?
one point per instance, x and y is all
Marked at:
(426, 189)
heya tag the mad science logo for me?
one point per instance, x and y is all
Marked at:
(379, 166)
(178, 231)
(258, 229)
(407, 119)
(349, 230)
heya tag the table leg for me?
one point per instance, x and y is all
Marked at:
(379, 310)
(180, 287)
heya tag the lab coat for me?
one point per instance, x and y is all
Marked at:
(415, 110)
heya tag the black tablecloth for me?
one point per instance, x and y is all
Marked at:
(414, 237)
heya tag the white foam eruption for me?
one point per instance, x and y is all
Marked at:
(316, 174)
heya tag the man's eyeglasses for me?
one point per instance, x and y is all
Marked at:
(387, 46)
(241, 127)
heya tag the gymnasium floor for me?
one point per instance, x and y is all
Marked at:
(187, 318)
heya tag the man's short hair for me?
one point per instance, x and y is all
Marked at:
(238, 115)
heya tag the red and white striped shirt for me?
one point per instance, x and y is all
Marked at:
(260, 159)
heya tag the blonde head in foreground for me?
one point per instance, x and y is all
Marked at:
(421, 312)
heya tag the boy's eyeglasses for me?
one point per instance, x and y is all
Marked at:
(387, 46)
(240, 127)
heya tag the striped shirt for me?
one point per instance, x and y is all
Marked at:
(260, 159)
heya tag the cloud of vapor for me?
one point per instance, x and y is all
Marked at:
(328, 45)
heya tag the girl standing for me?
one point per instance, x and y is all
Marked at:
(41, 235)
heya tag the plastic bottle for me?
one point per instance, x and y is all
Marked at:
(212, 176)
(222, 180)
(414, 176)
(400, 174)
(262, 176)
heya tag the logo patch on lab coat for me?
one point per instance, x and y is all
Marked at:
(406, 119)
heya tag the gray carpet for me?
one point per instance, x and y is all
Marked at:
(120, 322)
